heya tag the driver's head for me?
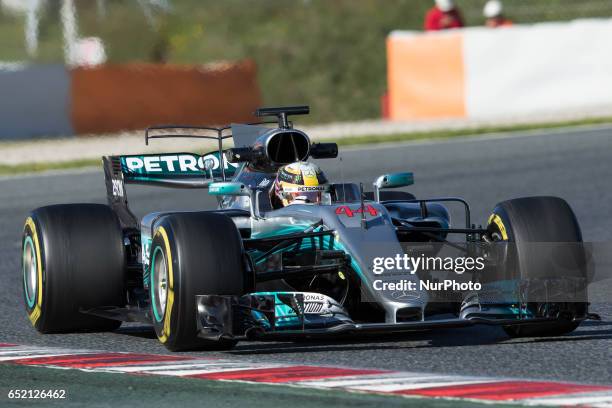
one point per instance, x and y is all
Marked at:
(299, 183)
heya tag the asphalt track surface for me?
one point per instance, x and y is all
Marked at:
(573, 164)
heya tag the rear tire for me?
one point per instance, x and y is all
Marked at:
(72, 259)
(192, 254)
(542, 220)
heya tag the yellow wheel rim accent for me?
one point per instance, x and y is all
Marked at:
(496, 219)
(34, 315)
(170, 299)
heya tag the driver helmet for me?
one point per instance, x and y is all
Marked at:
(299, 183)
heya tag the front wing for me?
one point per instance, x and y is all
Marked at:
(276, 316)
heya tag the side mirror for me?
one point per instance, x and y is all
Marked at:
(232, 188)
(393, 180)
(324, 150)
(229, 188)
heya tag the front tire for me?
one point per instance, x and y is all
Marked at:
(530, 220)
(73, 259)
(192, 254)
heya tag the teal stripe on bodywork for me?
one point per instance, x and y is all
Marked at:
(354, 265)
(285, 316)
(283, 230)
(307, 244)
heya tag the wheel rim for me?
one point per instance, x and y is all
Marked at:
(30, 271)
(159, 283)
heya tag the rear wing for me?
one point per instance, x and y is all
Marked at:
(192, 132)
(181, 170)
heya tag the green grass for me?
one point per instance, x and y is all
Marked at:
(448, 134)
(6, 169)
(346, 141)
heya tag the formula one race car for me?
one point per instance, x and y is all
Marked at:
(332, 261)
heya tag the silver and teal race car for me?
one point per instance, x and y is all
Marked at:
(358, 262)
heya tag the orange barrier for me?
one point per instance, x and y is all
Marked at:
(425, 76)
(112, 98)
(550, 70)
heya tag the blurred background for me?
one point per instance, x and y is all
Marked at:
(329, 54)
